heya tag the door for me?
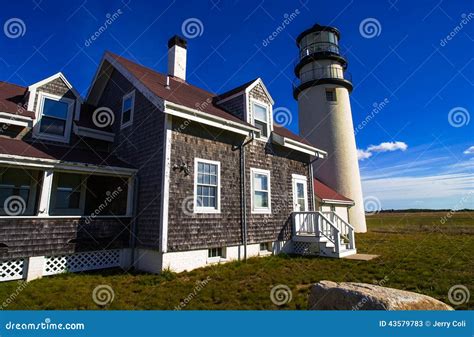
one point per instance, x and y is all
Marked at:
(300, 204)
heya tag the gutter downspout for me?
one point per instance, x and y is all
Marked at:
(311, 174)
(133, 239)
(243, 195)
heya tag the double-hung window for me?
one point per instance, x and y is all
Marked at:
(261, 191)
(55, 117)
(206, 186)
(128, 103)
(260, 118)
(68, 195)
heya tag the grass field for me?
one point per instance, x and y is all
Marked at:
(418, 251)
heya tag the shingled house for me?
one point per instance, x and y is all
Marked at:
(152, 172)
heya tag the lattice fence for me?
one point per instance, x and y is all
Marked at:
(305, 248)
(11, 270)
(81, 262)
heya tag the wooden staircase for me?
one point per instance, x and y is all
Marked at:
(328, 231)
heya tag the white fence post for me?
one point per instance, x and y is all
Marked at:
(33, 268)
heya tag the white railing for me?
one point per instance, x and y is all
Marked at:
(324, 224)
(346, 229)
(317, 225)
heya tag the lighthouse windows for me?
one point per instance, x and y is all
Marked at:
(331, 95)
(260, 117)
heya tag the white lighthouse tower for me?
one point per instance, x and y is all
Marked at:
(325, 116)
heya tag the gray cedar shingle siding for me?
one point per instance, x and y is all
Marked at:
(39, 237)
(281, 163)
(140, 144)
(235, 106)
(188, 231)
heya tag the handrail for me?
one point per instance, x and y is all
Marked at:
(347, 229)
(324, 227)
(317, 47)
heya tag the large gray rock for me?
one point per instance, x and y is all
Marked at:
(328, 295)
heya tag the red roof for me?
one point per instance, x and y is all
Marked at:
(16, 147)
(180, 92)
(324, 192)
(183, 93)
(13, 100)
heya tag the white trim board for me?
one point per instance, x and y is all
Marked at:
(297, 146)
(93, 133)
(208, 119)
(66, 166)
(165, 182)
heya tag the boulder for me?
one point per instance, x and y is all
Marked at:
(328, 295)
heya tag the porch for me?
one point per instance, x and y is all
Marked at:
(322, 233)
(63, 216)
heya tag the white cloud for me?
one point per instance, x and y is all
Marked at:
(361, 154)
(382, 147)
(469, 150)
(388, 146)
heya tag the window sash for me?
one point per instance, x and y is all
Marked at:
(207, 194)
(261, 195)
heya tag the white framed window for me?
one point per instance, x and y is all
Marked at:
(68, 194)
(54, 117)
(216, 253)
(265, 247)
(261, 191)
(261, 118)
(128, 108)
(207, 186)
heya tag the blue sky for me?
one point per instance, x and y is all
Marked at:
(419, 156)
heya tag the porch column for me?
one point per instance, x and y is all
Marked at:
(45, 198)
(130, 195)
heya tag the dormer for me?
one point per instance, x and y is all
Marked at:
(252, 103)
(56, 104)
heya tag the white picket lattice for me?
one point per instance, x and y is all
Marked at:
(305, 248)
(11, 270)
(81, 262)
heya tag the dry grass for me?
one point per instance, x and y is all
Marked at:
(415, 254)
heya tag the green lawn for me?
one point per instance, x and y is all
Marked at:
(417, 253)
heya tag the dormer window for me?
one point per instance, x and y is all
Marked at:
(260, 118)
(56, 114)
(128, 103)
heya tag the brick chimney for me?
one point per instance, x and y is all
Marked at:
(177, 57)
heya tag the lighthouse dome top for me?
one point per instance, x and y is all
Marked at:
(318, 28)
